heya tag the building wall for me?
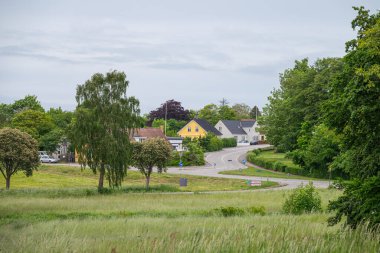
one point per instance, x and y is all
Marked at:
(227, 134)
(252, 134)
(193, 133)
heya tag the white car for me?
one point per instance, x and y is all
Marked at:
(47, 159)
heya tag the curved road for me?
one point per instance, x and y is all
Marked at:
(229, 159)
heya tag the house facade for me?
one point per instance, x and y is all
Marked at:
(242, 130)
(197, 128)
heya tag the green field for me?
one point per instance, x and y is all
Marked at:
(59, 210)
(257, 172)
(135, 222)
(61, 177)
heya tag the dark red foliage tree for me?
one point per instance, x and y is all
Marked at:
(173, 110)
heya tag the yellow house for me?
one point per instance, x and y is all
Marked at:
(197, 128)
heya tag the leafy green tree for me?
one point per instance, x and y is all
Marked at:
(7, 112)
(61, 119)
(242, 111)
(103, 121)
(360, 203)
(5, 115)
(18, 152)
(209, 113)
(354, 111)
(303, 91)
(27, 103)
(35, 123)
(255, 112)
(194, 154)
(319, 151)
(172, 126)
(226, 113)
(154, 152)
(50, 141)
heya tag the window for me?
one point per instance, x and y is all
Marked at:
(196, 129)
(220, 128)
(189, 129)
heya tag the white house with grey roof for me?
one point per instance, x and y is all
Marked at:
(241, 130)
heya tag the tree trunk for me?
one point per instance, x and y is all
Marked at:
(7, 183)
(101, 177)
(147, 181)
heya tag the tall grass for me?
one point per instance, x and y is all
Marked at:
(275, 233)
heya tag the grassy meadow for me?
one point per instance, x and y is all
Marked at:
(64, 177)
(59, 210)
(171, 222)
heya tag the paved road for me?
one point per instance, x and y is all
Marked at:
(230, 159)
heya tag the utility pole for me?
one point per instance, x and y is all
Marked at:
(166, 114)
(223, 102)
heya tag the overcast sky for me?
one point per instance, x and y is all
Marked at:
(196, 52)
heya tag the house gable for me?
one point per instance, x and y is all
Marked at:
(193, 130)
(197, 128)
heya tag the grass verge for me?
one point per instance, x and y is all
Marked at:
(257, 172)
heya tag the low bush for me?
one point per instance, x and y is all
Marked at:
(230, 211)
(304, 199)
(194, 156)
(229, 142)
(256, 210)
(237, 211)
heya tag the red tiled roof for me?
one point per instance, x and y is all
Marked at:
(149, 132)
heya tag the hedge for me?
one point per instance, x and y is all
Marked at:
(229, 142)
(276, 166)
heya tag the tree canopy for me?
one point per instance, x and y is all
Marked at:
(171, 109)
(327, 115)
(18, 152)
(354, 112)
(242, 111)
(103, 122)
(154, 152)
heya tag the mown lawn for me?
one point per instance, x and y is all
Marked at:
(257, 172)
(272, 156)
(64, 177)
(174, 222)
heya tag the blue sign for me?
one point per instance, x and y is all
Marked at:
(180, 164)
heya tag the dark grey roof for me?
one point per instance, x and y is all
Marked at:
(247, 123)
(207, 127)
(234, 126)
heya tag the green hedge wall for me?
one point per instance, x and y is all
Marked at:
(276, 166)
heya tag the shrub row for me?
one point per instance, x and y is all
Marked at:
(252, 157)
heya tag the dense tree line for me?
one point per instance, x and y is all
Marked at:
(49, 128)
(326, 116)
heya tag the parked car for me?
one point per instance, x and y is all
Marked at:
(253, 143)
(47, 159)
